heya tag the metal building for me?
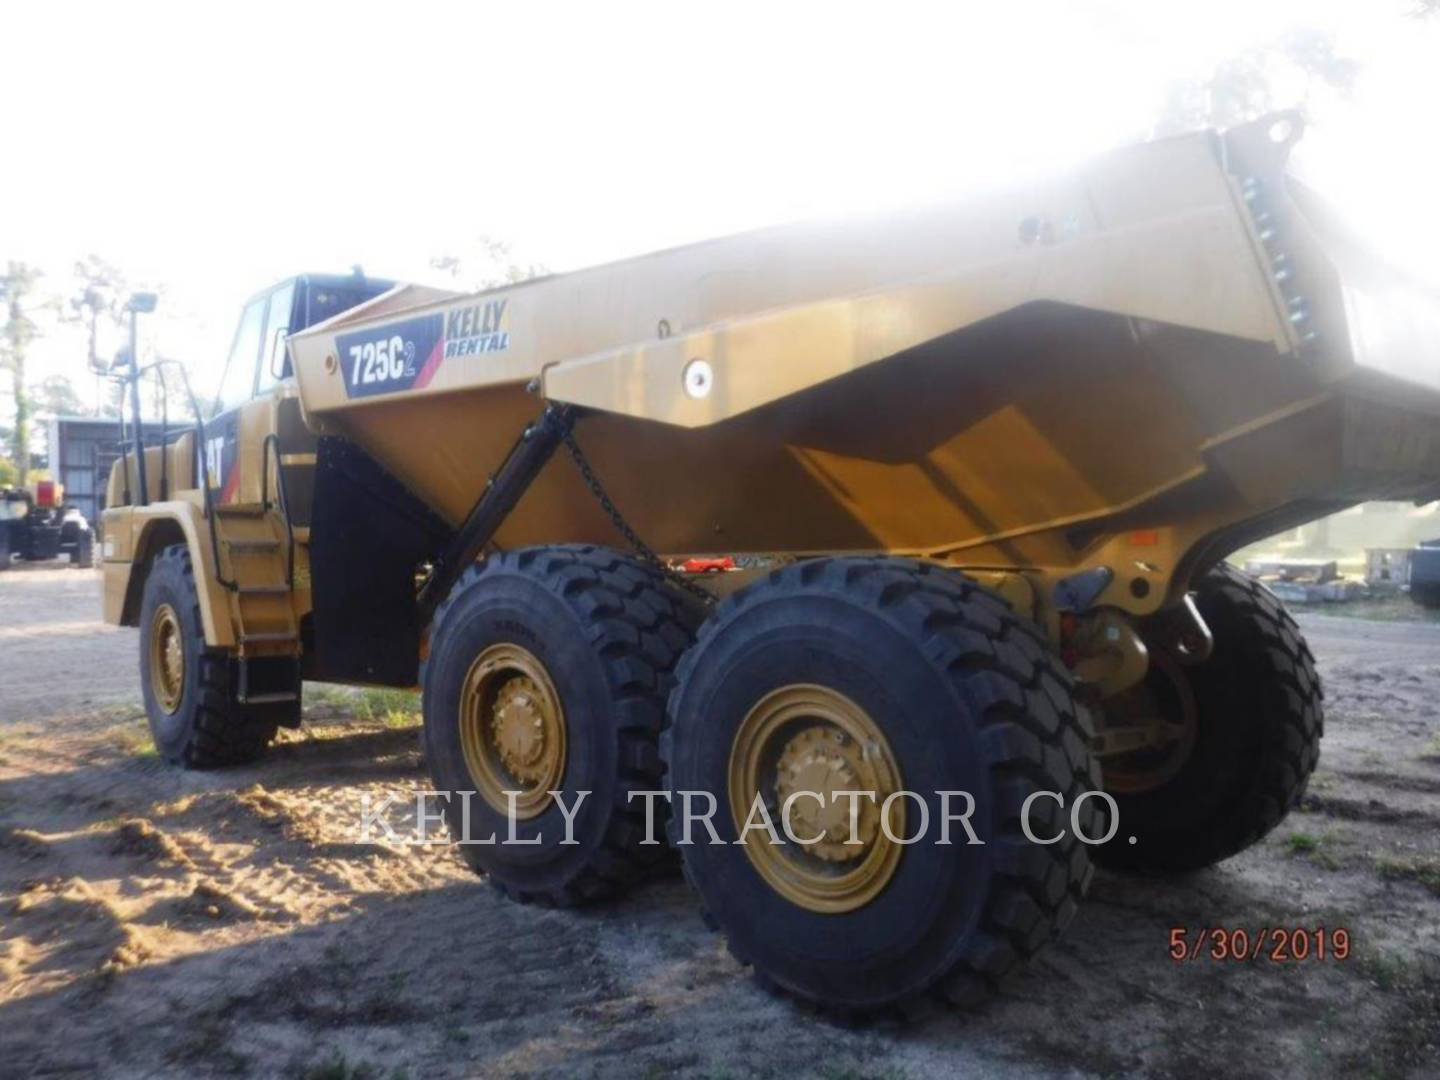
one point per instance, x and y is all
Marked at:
(81, 450)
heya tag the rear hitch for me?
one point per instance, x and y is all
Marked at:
(1182, 632)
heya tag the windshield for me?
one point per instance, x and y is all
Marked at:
(275, 365)
(239, 382)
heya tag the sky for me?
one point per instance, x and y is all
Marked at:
(213, 149)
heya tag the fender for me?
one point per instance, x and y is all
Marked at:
(134, 535)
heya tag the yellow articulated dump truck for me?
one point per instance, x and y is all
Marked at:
(978, 468)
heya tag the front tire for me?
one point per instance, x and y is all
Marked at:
(195, 720)
(548, 671)
(1259, 718)
(945, 689)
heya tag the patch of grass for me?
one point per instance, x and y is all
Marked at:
(327, 699)
(1389, 970)
(1432, 750)
(1316, 849)
(1394, 608)
(1424, 869)
(336, 1067)
(393, 708)
(134, 738)
(132, 711)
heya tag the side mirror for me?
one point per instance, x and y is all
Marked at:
(277, 353)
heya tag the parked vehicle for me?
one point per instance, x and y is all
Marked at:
(993, 456)
(36, 525)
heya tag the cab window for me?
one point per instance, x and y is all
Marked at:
(274, 361)
(238, 385)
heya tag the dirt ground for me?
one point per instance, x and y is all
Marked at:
(160, 922)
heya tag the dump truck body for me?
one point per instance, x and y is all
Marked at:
(1103, 371)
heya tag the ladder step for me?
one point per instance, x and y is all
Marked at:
(240, 509)
(263, 590)
(266, 635)
(247, 546)
(269, 699)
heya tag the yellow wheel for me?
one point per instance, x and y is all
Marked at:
(800, 746)
(167, 659)
(903, 682)
(512, 729)
(547, 671)
(196, 719)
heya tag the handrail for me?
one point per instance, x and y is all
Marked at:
(164, 436)
(281, 491)
(202, 459)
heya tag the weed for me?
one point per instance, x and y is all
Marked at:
(1432, 750)
(393, 708)
(1424, 869)
(134, 739)
(1388, 970)
(337, 1068)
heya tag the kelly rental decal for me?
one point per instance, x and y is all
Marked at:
(405, 355)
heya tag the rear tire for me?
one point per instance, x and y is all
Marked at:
(581, 643)
(195, 720)
(966, 697)
(1259, 722)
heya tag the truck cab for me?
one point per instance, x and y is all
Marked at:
(206, 535)
(258, 378)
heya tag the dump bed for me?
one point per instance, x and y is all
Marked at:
(1178, 336)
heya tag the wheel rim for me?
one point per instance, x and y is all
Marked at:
(804, 738)
(1163, 699)
(512, 729)
(167, 659)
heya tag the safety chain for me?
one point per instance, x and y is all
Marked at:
(623, 527)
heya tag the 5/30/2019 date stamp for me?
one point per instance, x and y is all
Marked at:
(1273, 944)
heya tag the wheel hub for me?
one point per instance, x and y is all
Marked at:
(512, 730)
(824, 760)
(519, 728)
(1148, 731)
(167, 659)
(803, 745)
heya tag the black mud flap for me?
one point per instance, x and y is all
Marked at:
(368, 536)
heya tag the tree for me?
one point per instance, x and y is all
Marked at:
(490, 266)
(99, 301)
(1243, 87)
(57, 397)
(17, 287)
